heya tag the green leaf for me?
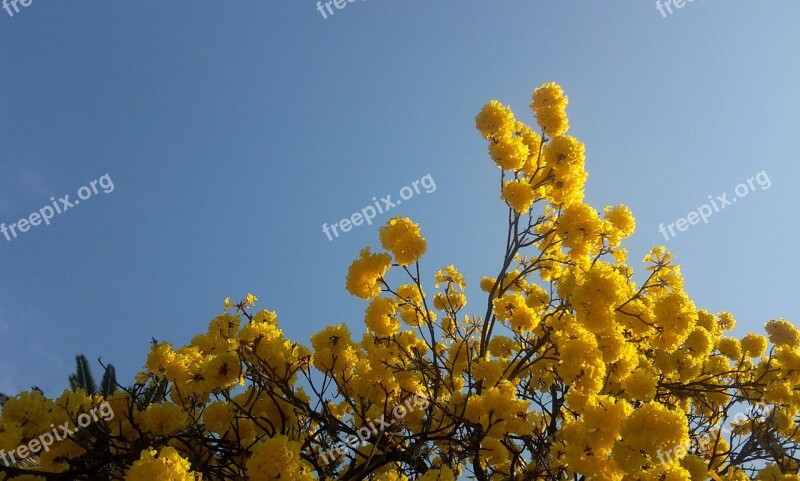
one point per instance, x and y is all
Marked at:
(109, 383)
(82, 379)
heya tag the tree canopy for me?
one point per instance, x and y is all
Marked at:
(568, 369)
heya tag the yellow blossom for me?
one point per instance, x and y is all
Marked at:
(402, 238)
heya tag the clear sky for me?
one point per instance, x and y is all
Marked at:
(233, 130)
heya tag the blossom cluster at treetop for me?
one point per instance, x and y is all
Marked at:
(568, 369)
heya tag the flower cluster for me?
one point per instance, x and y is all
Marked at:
(572, 368)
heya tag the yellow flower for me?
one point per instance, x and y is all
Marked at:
(647, 432)
(549, 95)
(452, 301)
(438, 474)
(29, 413)
(163, 419)
(56, 459)
(519, 195)
(597, 296)
(771, 472)
(494, 452)
(697, 467)
(730, 348)
(534, 143)
(782, 332)
(754, 345)
(578, 228)
(450, 274)
(565, 154)
(489, 371)
(699, 343)
(502, 346)
(218, 416)
(380, 316)
(168, 465)
(514, 309)
(487, 283)
(278, 459)
(223, 370)
(726, 321)
(364, 273)
(333, 349)
(494, 120)
(402, 238)
(676, 314)
(549, 105)
(640, 385)
(621, 218)
(509, 152)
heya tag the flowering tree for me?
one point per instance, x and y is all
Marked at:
(570, 370)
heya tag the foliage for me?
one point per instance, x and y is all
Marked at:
(83, 379)
(573, 370)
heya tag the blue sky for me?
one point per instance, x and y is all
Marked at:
(233, 130)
